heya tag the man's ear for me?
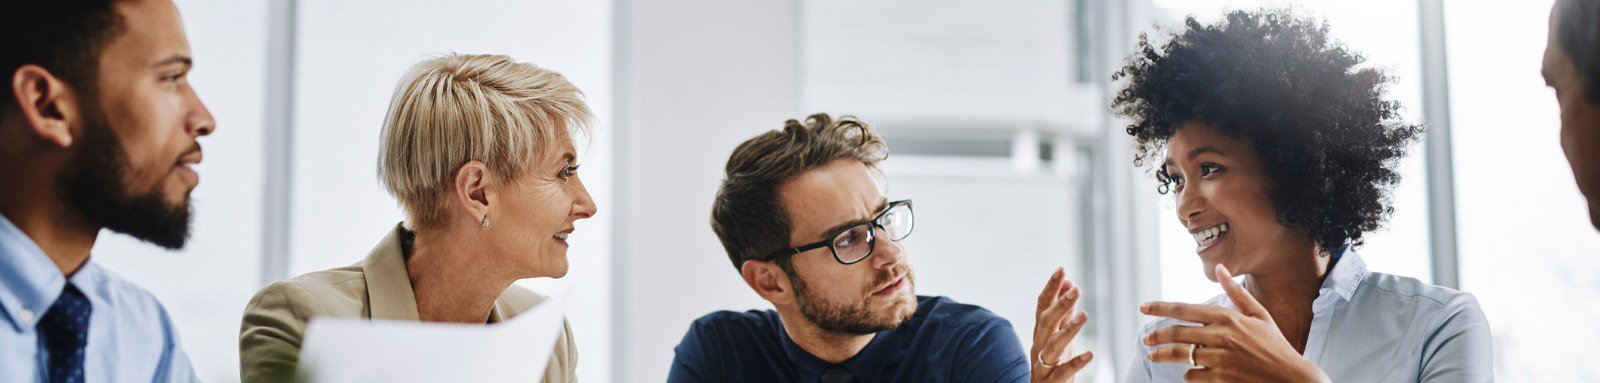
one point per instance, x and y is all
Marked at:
(47, 106)
(472, 189)
(768, 280)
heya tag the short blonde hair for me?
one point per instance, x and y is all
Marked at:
(457, 108)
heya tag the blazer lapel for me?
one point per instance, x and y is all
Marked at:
(388, 285)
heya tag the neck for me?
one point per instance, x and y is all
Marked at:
(64, 235)
(450, 281)
(1288, 287)
(831, 347)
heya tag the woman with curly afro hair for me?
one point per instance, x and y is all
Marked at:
(1280, 149)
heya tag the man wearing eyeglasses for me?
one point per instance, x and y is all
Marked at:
(803, 217)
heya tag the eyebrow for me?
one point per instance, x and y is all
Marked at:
(1196, 153)
(883, 204)
(176, 59)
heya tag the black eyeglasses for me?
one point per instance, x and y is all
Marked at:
(855, 243)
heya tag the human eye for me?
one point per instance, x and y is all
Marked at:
(173, 76)
(568, 172)
(845, 240)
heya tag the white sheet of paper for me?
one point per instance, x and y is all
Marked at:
(339, 350)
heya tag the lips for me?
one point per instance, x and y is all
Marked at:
(185, 165)
(562, 236)
(894, 287)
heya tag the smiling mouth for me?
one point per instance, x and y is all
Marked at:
(1205, 239)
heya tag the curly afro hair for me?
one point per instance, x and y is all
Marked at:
(1327, 139)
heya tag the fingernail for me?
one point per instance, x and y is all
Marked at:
(1144, 308)
(1082, 316)
(1059, 272)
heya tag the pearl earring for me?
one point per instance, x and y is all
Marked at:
(485, 222)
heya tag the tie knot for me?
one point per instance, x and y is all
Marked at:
(70, 311)
(65, 331)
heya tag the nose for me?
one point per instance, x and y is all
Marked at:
(1190, 205)
(583, 206)
(200, 121)
(885, 252)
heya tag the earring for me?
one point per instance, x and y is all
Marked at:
(486, 222)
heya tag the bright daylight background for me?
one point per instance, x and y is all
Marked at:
(993, 110)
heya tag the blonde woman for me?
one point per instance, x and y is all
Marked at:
(477, 150)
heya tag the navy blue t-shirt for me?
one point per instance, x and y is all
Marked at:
(944, 341)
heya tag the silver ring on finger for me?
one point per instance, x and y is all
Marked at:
(1192, 348)
(1040, 358)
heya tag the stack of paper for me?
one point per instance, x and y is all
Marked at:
(339, 350)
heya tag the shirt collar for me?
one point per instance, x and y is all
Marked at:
(31, 281)
(1342, 281)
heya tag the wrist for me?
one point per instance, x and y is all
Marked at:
(1310, 372)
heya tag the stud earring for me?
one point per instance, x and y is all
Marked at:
(485, 222)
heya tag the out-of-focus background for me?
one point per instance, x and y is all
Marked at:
(994, 112)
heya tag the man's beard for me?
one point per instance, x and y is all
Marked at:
(854, 317)
(95, 182)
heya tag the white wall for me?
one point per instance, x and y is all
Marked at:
(1528, 251)
(695, 78)
(1008, 61)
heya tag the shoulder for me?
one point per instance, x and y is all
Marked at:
(947, 310)
(118, 290)
(1397, 292)
(737, 321)
(1440, 306)
(732, 330)
(121, 295)
(945, 317)
(334, 291)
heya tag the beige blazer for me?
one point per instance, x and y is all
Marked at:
(378, 287)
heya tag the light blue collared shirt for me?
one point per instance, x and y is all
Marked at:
(131, 338)
(1373, 327)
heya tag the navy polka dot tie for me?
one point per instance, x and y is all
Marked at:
(65, 329)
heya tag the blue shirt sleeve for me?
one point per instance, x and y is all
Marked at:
(688, 362)
(1142, 369)
(1461, 348)
(991, 352)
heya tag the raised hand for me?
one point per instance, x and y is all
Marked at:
(1228, 346)
(1056, 323)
